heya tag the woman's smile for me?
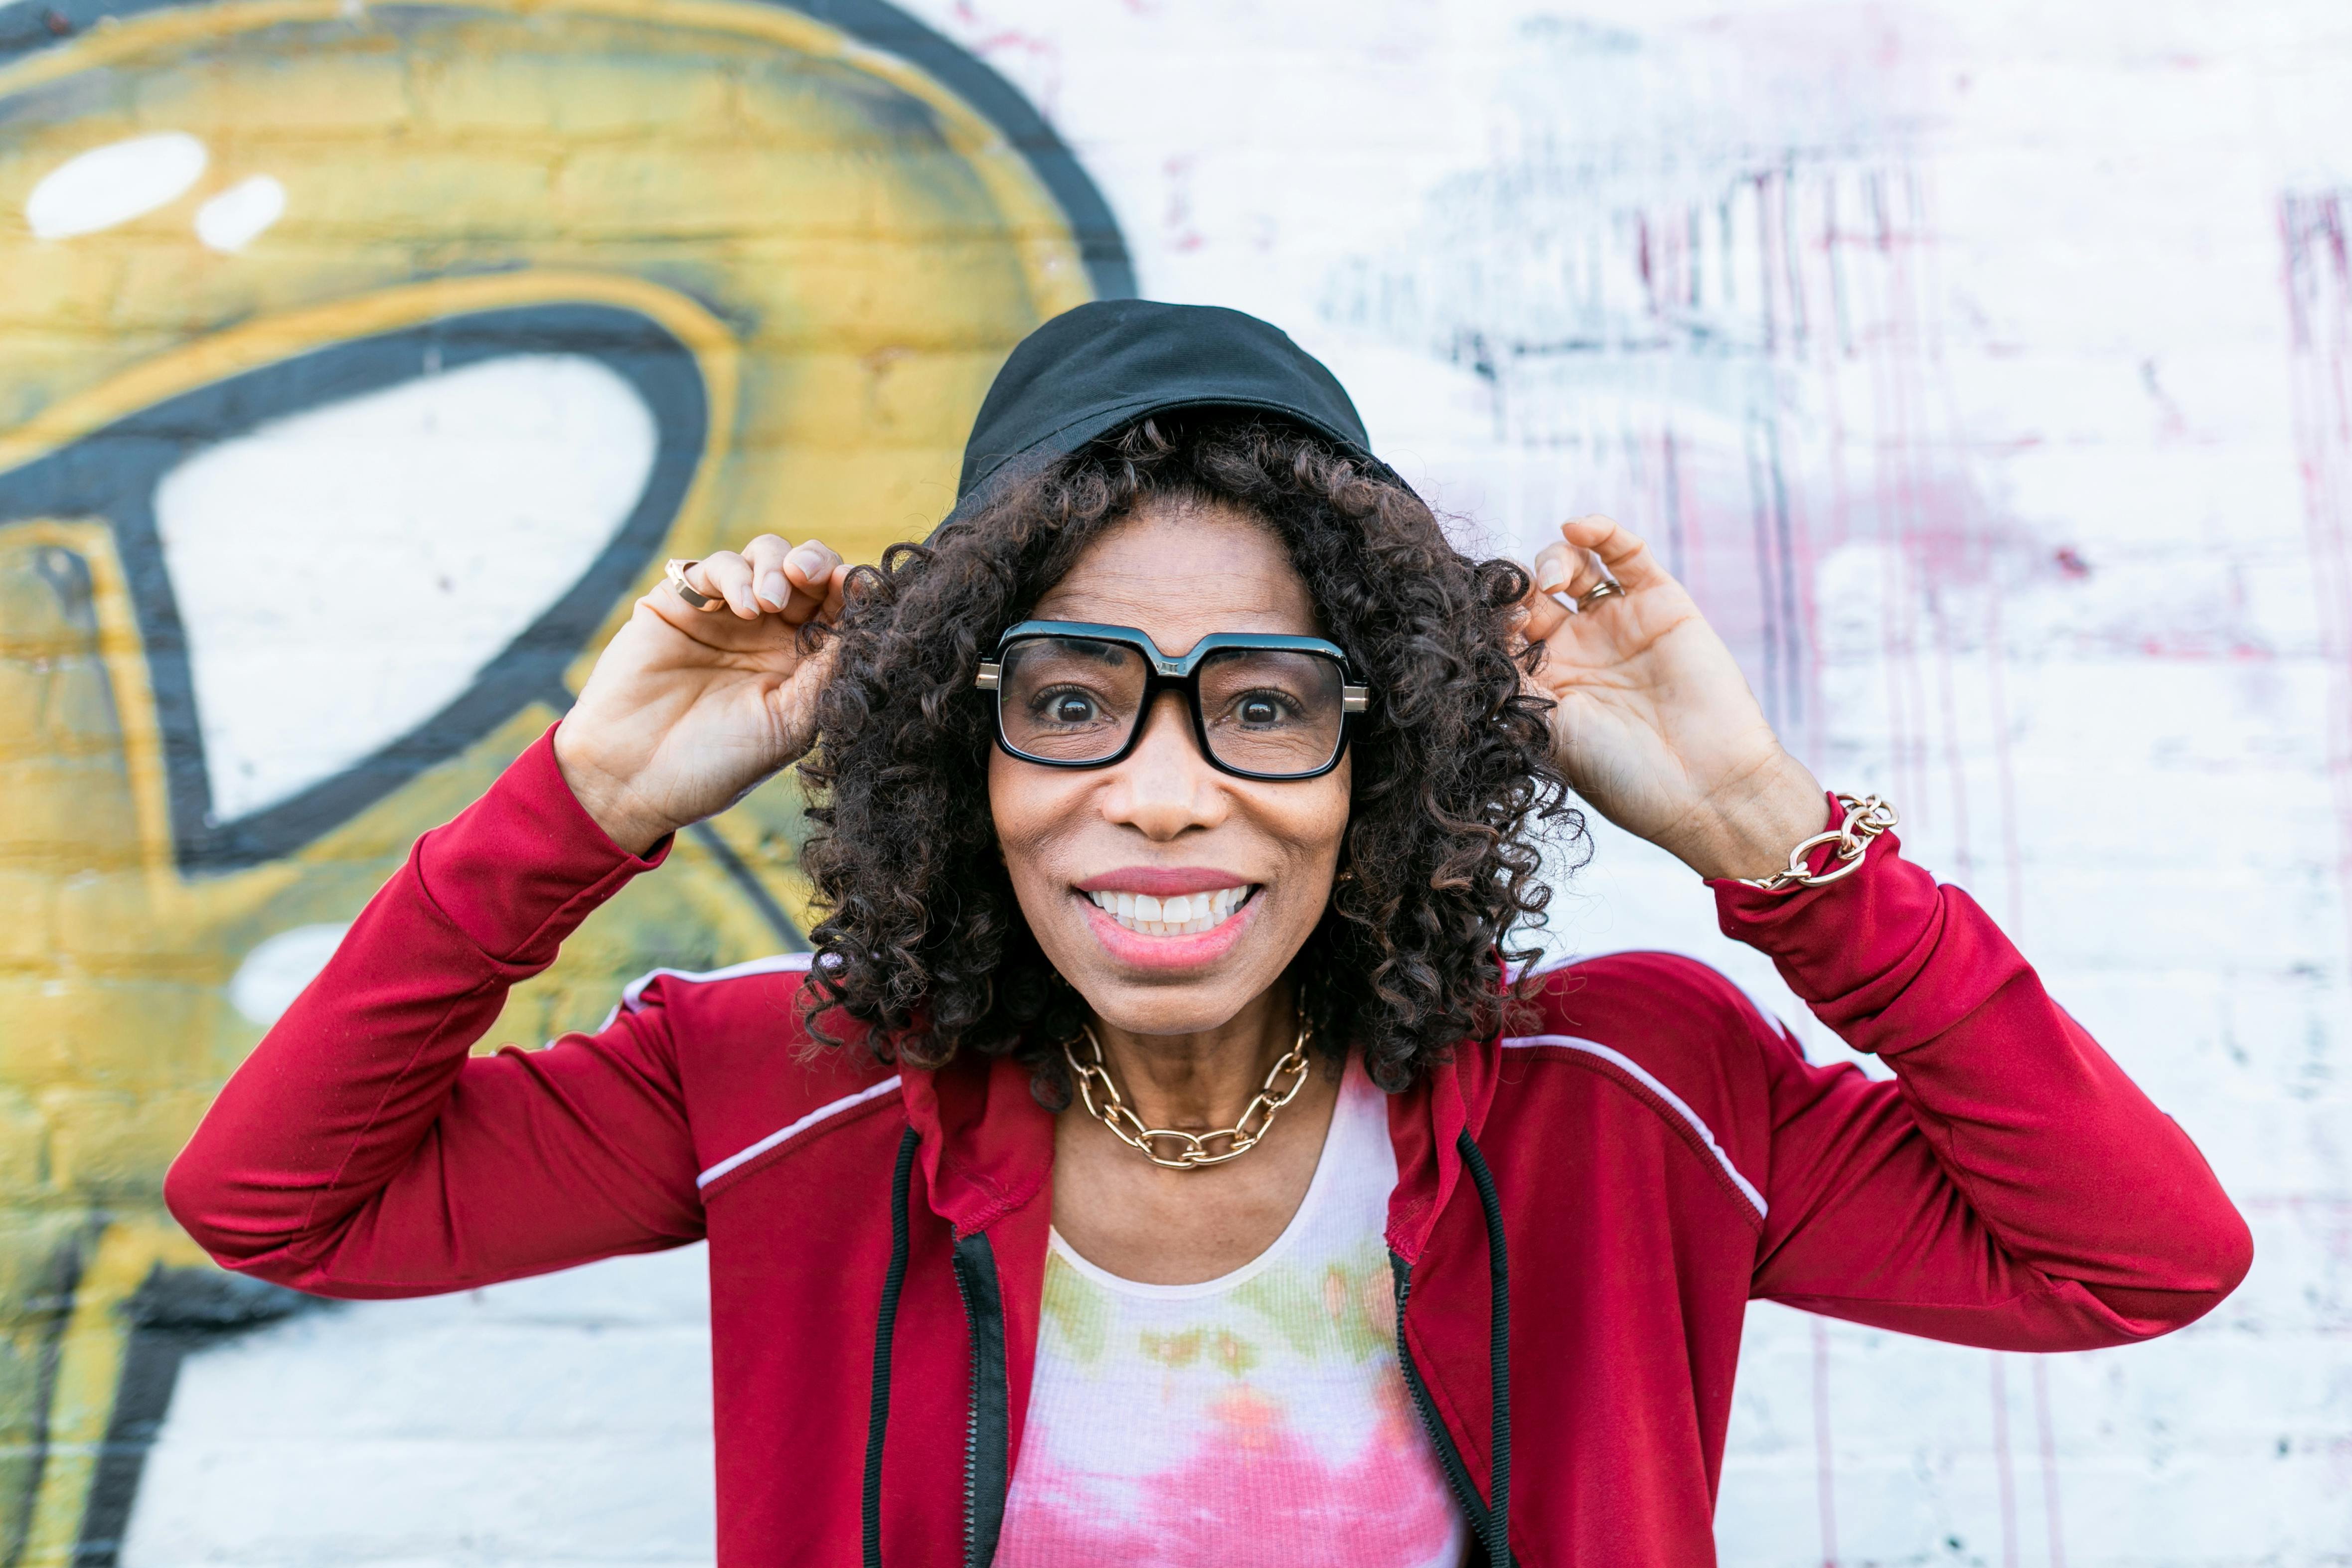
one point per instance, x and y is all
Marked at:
(1176, 915)
(1150, 917)
(1183, 900)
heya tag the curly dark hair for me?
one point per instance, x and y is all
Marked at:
(923, 942)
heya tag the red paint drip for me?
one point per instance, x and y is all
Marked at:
(1824, 1463)
(2317, 280)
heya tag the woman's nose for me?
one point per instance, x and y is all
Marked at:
(1166, 786)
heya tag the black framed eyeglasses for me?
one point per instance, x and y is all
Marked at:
(1073, 694)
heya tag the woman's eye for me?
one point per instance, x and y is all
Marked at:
(1067, 706)
(1260, 709)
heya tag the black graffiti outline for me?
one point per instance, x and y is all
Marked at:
(71, 483)
(113, 473)
(28, 25)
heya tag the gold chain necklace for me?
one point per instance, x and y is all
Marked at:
(1192, 1148)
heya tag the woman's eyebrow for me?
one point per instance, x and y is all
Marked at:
(1096, 648)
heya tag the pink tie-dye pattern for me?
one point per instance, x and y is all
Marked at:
(1251, 1494)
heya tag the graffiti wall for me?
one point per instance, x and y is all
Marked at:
(1987, 371)
(357, 367)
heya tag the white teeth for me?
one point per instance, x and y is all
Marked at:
(1178, 914)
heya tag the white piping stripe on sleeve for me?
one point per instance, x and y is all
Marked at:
(847, 1102)
(633, 995)
(1675, 1101)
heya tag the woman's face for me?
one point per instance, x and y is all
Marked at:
(1163, 823)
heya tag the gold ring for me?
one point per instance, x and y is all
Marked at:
(676, 572)
(1607, 588)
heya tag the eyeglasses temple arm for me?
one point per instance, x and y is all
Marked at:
(989, 671)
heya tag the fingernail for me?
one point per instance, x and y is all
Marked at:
(773, 590)
(809, 559)
(1551, 574)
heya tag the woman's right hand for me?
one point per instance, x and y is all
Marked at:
(687, 710)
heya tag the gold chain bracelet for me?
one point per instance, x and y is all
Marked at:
(1866, 816)
(1192, 1147)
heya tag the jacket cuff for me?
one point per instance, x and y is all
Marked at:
(519, 869)
(1851, 949)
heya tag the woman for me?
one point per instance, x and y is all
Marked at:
(1189, 768)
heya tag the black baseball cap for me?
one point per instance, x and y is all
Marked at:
(1090, 371)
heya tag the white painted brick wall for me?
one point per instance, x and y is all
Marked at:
(2078, 339)
(552, 1422)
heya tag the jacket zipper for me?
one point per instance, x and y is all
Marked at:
(987, 1467)
(1449, 1457)
(971, 1425)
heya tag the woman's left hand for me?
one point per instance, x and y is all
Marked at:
(1655, 726)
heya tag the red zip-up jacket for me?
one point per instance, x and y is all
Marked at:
(1645, 1158)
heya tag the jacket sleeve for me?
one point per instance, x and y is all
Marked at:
(2011, 1188)
(360, 1150)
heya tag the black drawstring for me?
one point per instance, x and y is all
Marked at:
(877, 1416)
(1498, 1353)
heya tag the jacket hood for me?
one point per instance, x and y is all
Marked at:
(987, 1147)
(1104, 364)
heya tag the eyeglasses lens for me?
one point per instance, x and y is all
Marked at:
(1076, 699)
(1270, 711)
(1069, 699)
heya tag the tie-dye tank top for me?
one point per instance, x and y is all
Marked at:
(1259, 1419)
